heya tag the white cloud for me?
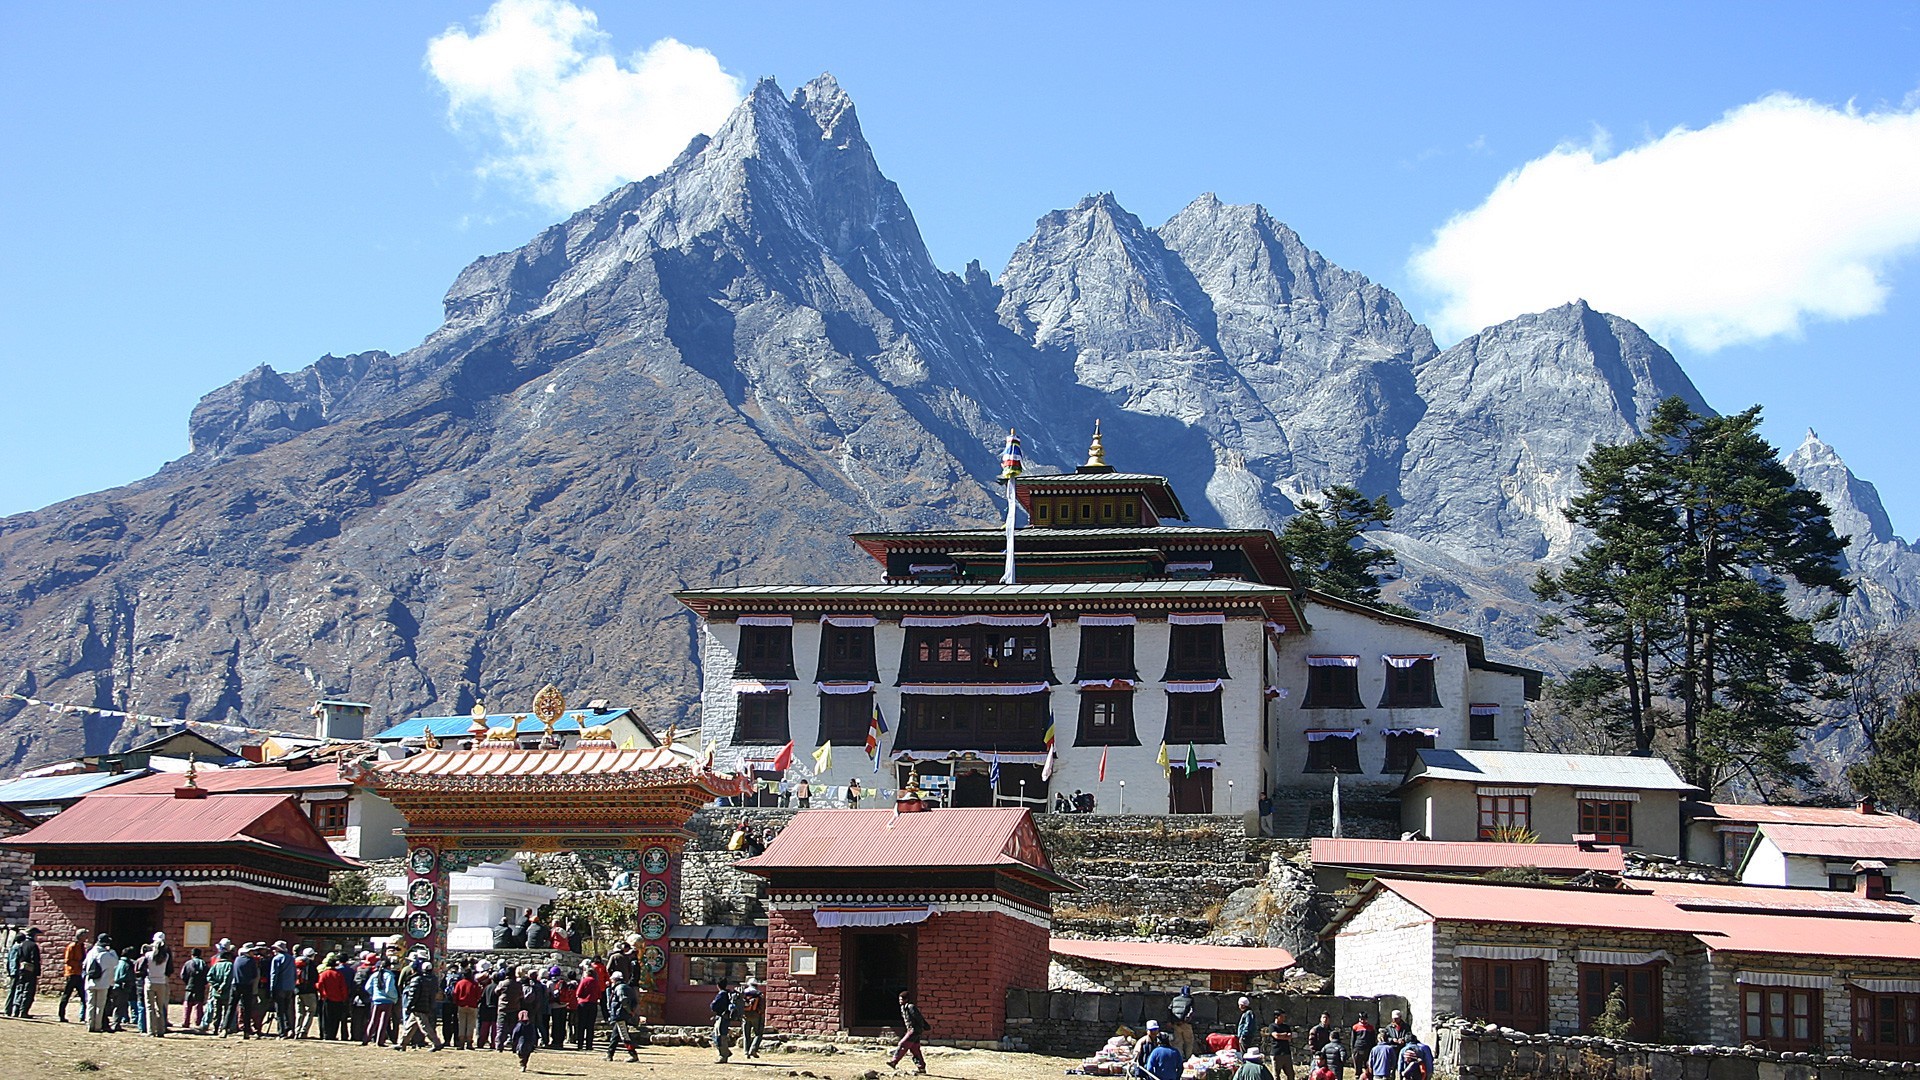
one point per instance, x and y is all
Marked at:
(1784, 210)
(570, 119)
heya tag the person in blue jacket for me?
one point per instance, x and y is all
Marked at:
(283, 983)
(1165, 1062)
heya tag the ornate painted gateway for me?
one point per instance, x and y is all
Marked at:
(490, 799)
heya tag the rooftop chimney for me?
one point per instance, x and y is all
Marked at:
(1870, 879)
(1867, 805)
(341, 721)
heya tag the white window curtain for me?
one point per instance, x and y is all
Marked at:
(929, 567)
(850, 620)
(1107, 620)
(976, 620)
(1190, 567)
(846, 687)
(1333, 661)
(1007, 757)
(1616, 958)
(829, 917)
(1207, 686)
(1194, 618)
(1783, 978)
(1279, 692)
(1408, 660)
(1107, 684)
(1276, 628)
(1506, 952)
(751, 686)
(1608, 796)
(765, 620)
(1483, 710)
(1429, 732)
(1505, 791)
(974, 689)
(139, 891)
(1322, 734)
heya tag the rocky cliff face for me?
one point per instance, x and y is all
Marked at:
(714, 375)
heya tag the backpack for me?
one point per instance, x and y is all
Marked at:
(93, 969)
(723, 1005)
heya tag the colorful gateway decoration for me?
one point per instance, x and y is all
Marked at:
(471, 806)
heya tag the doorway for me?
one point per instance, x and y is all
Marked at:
(972, 788)
(1189, 794)
(879, 965)
(130, 924)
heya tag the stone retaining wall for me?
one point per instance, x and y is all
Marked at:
(1472, 1051)
(1075, 1023)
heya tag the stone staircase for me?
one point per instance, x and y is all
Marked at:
(1150, 875)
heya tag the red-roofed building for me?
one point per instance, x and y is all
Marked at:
(1809, 847)
(1786, 969)
(199, 868)
(358, 823)
(1342, 864)
(951, 905)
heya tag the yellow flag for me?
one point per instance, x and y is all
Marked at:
(628, 745)
(1165, 762)
(823, 760)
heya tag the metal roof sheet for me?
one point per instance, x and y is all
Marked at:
(1177, 956)
(1477, 856)
(456, 726)
(264, 778)
(156, 820)
(516, 762)
(1570, 770)
(953, 838)
(1037, 591)
(1833, 841)
(1838, 817)
(42, 789)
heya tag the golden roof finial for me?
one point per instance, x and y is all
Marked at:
(193, 769)
(549, 705)
(1097, 453)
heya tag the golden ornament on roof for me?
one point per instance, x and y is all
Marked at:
(549, 704)
(1097, 453)
(479, 711)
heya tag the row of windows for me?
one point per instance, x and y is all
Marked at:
(1342, 755)
(1609, 821)
(976, 654)
(1409, 686)
(1061, 513)
(959, 722)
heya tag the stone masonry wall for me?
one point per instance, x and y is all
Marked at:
(809, 1004)
(1563, 972)
(1476, 1053)
(1387, 948)
(1074, 1023)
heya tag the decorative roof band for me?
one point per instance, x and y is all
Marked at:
(1196, 618)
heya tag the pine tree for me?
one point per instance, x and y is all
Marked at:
(1324, 543)
(1891, 773)
(1698, 530)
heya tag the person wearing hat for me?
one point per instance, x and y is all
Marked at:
(159, 986)
(1165, 1063)
(1253, 1067)
(23, 968)
(1180, 1009)
(622, 1001)
(101, 964)
(219, 1018)
(1146, 1044)
(246, 990)
(419, 999)
(306, 992)
(753, 1017)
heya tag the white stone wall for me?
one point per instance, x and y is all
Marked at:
(1388, 948)
(371, 821)
(1340, 632)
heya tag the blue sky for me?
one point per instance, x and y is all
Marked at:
(189, 191)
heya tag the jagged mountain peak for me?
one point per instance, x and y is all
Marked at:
(1855, 503)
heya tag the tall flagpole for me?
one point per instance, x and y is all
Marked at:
(1009, 472)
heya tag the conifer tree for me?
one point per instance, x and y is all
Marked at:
(1323, 542)
(1698, 530)
(1891, 773)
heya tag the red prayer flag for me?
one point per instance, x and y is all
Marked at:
(1103, 764)
(785, 759)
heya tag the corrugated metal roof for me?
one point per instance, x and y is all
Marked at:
(1775, 921)
(1569, 770)
(1037, 591)
(1843, 843)
(1437, 855)
(1041, 532)
(1179, 957)
(457, 726)
(531, 762)
(42, 789)
(157, 820)
(258, 779)
(955, 838)
(1839, 817)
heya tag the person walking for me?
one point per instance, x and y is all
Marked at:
(622, 1001)
(586, 1007)
(101, 965)
(466, 1007)
(1382, 1059)
(159, 989)
(525, 1037)
(193, 981)
(1246, 1032)
(418, 997)
(534, 1000)
(1180, 1010)
(724, 1007)
(72, 962)
(916, 1024)
(753, 1017)
(23, 972)
(334, 988)
(1364, 1037)
(383, 994)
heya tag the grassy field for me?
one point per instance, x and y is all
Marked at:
(42, 1048)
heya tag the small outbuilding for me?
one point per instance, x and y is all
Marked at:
(1502, 795)
(953, 906)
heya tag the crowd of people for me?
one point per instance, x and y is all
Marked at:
(1389, 1052)
(387, 998)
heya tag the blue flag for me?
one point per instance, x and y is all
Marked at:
(993, 772)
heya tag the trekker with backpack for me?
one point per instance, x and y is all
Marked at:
(725, 1008)
(622, 1000)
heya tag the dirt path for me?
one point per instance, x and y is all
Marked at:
(42, 1048)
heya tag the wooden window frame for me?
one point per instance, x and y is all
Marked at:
(1483, 979)
(1332, 688)
(1762, 1006)
(1196, 651)
(1010, 722)
(1483, 728)
(330, 817)
(1403, 750)
(762, 720)
(1106, 719)
(1106, 652)
(1878, 1036)
(977, 654)
(1196, 718)
(1411, 687)
(1608, 821)
(766, 652)
(1645, 1007)
(845, 718)
(846, 654)
(1495, 812)
(1333, 756)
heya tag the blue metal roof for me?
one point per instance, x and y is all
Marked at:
(455, 727)
(42, 789)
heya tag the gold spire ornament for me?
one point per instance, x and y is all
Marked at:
(549, 705)
(1097, 453)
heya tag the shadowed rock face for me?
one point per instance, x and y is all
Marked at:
(713, 375)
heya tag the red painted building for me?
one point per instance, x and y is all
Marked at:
(199, 869)
(953, 906)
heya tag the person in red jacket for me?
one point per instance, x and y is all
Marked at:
(334, 988)
(466, 1003)
(560, 1004)
(586, 1008)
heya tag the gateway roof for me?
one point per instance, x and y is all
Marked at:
(1567, 770)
